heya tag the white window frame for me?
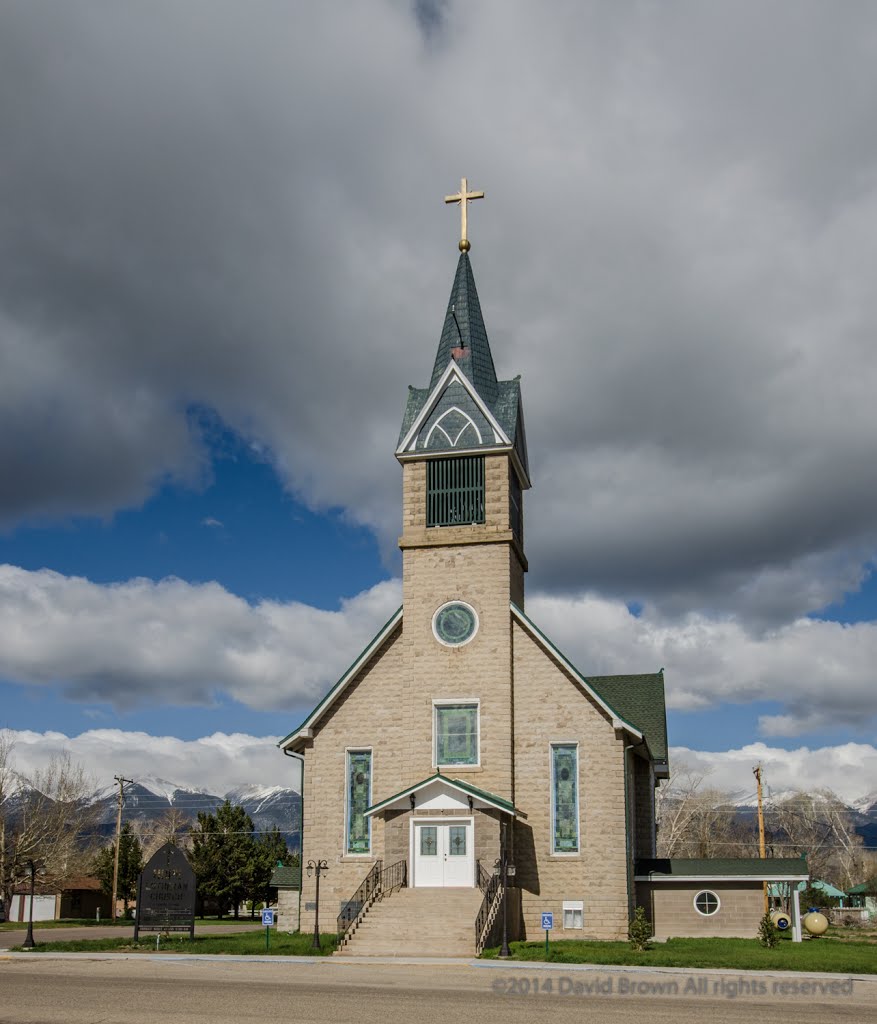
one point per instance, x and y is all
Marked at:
(710, 892)
(451, 702)
(371, 774)
(551, 746)
(572, 906)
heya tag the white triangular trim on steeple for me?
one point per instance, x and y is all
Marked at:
(453, 442)
(453, 372)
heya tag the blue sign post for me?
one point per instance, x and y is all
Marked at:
(268, 921)
(547, 924)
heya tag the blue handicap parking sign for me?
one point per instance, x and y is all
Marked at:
(548, 922)
(267, 917)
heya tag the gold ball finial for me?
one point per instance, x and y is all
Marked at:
(464, 245)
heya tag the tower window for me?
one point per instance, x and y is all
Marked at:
(455, 491)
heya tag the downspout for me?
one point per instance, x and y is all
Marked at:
(628, 864)
(301, 830)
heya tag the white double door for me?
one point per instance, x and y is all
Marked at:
(443, 854)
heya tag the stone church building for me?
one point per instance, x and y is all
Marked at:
(462, 732)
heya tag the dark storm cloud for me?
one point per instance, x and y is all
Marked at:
(207, 205)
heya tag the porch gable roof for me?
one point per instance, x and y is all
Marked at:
(481, 796)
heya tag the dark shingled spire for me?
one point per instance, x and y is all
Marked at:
(468, 345)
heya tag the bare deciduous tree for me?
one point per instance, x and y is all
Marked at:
(696, 820)
(819, 825)
(45, 818)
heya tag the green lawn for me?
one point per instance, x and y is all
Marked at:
(825, 954)
(105, 922)
(246, 944)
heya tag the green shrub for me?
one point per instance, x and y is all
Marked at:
(640, 930)
(768, 933)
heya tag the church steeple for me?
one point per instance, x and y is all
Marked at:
(464, 336)
(462, 445)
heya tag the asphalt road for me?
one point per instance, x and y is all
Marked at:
(44, 991)
(15, 938)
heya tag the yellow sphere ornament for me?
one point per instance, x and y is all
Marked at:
(815, 923)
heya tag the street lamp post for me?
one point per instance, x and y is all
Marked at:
(318, 867)
(28, 941)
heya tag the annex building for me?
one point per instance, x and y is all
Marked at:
(462, 734)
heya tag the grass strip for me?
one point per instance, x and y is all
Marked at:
(823, 954)
(247, 944)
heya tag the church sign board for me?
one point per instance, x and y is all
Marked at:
(166, 894)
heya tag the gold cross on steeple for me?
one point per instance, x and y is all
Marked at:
(463, 197)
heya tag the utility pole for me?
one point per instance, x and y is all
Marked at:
(122, 783)
(756, 771)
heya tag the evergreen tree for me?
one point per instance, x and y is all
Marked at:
(224, 856)
(270, 851)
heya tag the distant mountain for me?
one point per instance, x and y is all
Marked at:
(150, 798)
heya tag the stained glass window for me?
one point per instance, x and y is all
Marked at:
(564, 798)
(456, 734)
(359, 790)
(457, 841)
(428, 841)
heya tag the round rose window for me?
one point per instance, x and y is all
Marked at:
(454, 624)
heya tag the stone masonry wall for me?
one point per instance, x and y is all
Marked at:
(551, 707)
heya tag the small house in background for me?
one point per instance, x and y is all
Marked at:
(864, 896)
(287, 882)
(79, 897)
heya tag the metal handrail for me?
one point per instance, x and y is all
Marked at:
(494, 893)
(394, 877)
(362, 898)
(379, 882)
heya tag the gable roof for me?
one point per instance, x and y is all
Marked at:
(753, 869)
(500, 803)
(305, 730)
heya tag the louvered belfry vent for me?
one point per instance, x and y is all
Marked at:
(455, 491)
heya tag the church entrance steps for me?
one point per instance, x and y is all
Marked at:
(418, 922)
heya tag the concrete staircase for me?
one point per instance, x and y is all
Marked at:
(418, 922)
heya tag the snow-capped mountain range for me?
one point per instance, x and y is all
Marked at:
(148, 798)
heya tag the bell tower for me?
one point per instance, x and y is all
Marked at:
(463, 452)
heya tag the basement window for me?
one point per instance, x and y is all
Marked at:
(573, 914)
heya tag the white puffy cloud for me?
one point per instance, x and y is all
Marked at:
(217, 763)
(222, 762)
(849, 769)
(241, 210)
(179, 643)
(175, 642)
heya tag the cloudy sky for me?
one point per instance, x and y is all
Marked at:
(224, 256)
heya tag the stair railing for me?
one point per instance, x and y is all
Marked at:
(359, 902)
(377, 884)
(494, 894)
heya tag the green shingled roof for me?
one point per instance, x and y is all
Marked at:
(464, 329)
(687, 867)
(640, 700)
(286, 876)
